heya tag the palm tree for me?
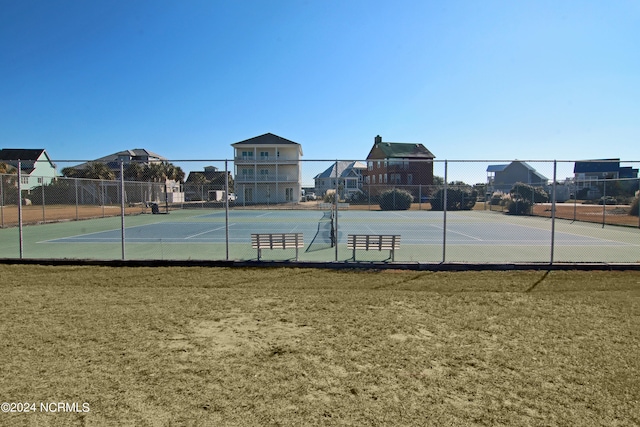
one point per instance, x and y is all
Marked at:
(97, 170)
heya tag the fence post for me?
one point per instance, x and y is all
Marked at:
(20, 207)
(444, 216)
(44, 216)
(226, 208)
(604, 201)
(122, 208)
(1, 201)
(75, 180)
(553, 211)
(335, 200)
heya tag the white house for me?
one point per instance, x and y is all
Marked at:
(348, 176)
(267, 170)
(37, 169)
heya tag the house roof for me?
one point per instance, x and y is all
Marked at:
(401, 150)
(496, 168)
(27, 156)
(20, 154)
(137, 155)
(267, 139)
(208, 174)
(597, 166)
(344, 168)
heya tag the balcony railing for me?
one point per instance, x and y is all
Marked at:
(266, 178)
(270, 159)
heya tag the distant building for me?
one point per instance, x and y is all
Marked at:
(503, 177)
(398, 164)
(37, 169)
(139, 156)
(202, 185)
(343, 175)
(267, 170)
(588, 173)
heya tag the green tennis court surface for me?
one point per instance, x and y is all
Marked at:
(474, 236)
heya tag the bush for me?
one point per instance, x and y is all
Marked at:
(530, 193)
(519, 207)
(329, 197)
(634, 207)
(457, 200)
(395, 200)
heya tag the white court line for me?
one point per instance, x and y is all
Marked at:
(456, 232)
(208, 231)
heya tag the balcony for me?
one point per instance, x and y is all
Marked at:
(265, 178)
(266, 160)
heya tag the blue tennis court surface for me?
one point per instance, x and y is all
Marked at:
(415, 228)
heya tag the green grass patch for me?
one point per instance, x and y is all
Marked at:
(290, 347)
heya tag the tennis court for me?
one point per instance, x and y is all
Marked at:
(471, 236)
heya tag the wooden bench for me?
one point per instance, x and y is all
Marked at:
(371, 242)
(261, 241)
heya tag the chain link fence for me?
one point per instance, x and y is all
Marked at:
(444, 211)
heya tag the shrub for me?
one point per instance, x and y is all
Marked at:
(530, 193)
(329, 197)
(634, 207)
(519, 207)
(395, 200)
(457, 200)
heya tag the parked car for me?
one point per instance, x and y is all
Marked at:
(607, 200)
(310, 196)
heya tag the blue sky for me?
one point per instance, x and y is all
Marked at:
(185, 79)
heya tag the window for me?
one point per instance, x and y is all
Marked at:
(264, 155)
(370, 166)
(385, 178)
(288, 194)
(380, 178)
(39, 180)
(247, 155)
(24, 180)
(409, 178)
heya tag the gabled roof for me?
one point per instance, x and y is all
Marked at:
(135, 154)
(403, 150)
(597, 166)
(20, 154)
(27, 156)
(496, 168)
(208, 174)
(344, 169)
(268, 139)
(398, 150)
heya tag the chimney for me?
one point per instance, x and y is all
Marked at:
(377, 139)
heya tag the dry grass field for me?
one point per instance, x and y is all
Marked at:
(291, 347)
